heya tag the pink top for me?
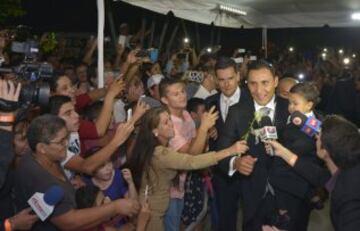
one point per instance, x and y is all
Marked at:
(185, 131)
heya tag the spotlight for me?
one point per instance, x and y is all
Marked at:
(355, 16)
(232, 10)
(346, 61)
(209, 50)
(186, 40)
(291, 49)
(301, 76)
(341, 51)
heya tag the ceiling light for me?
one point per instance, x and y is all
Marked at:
(355, 16)
(233, 10)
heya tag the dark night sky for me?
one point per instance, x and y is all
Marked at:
(81, 16)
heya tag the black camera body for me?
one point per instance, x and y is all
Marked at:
(32, 74)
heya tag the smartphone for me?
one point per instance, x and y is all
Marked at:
(253, 58)
(122, 40)
(129, 114)
(239, 60)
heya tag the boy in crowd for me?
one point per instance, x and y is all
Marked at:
(187, 140)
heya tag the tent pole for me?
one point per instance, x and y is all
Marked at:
(171, 41)
(100, 42)
(142, 32)
(264, 41)
(110, 16)
(163, 33)
(151, 40)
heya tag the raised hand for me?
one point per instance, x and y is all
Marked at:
(122, 132)
(208, 119)
(127, 175)
(116, 88)
(8, 91)
(141, 108)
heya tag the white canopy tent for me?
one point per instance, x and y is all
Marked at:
(260, 13)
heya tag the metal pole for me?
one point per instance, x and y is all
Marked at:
(264, 41)
(100, 42)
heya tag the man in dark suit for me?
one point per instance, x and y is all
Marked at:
(226, 189)
(252, 170)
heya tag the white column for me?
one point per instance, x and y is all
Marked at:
(100, 42)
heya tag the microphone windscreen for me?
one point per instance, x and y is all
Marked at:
(297, 118)
(54, 195)
(265, 121)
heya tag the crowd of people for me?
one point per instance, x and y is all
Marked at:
(172, 142)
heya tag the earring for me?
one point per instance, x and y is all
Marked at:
(156, 134)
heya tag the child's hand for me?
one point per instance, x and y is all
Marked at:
(127, 175)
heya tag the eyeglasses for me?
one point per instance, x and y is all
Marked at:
(63, 142)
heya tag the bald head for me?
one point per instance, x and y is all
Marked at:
(284, 86)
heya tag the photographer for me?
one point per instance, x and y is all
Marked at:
(9, 94)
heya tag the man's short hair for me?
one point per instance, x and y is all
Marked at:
(225, 62)
(261, 64)
(54, 80)
(341, 139)
(56, 102)
(194, 103)
(43, 129)
(167, 82)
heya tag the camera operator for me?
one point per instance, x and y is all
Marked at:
(9, 94)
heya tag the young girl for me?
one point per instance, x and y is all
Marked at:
(292, 192)
(115, 184)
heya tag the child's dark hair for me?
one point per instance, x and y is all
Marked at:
(86, 196)
(92, 111)
(193, 104)
(308, 90)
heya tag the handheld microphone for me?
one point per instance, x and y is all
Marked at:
(43, 204)
(309, 125)
(268, 132)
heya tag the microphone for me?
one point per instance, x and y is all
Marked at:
(43, 204)
(267, 132)
(309, 125)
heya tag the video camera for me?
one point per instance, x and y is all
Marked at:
(32, 74)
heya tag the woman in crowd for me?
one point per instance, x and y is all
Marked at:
(154, 166)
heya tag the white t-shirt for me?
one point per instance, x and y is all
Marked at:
(73, 150)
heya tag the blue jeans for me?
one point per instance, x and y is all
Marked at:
(173, 214)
